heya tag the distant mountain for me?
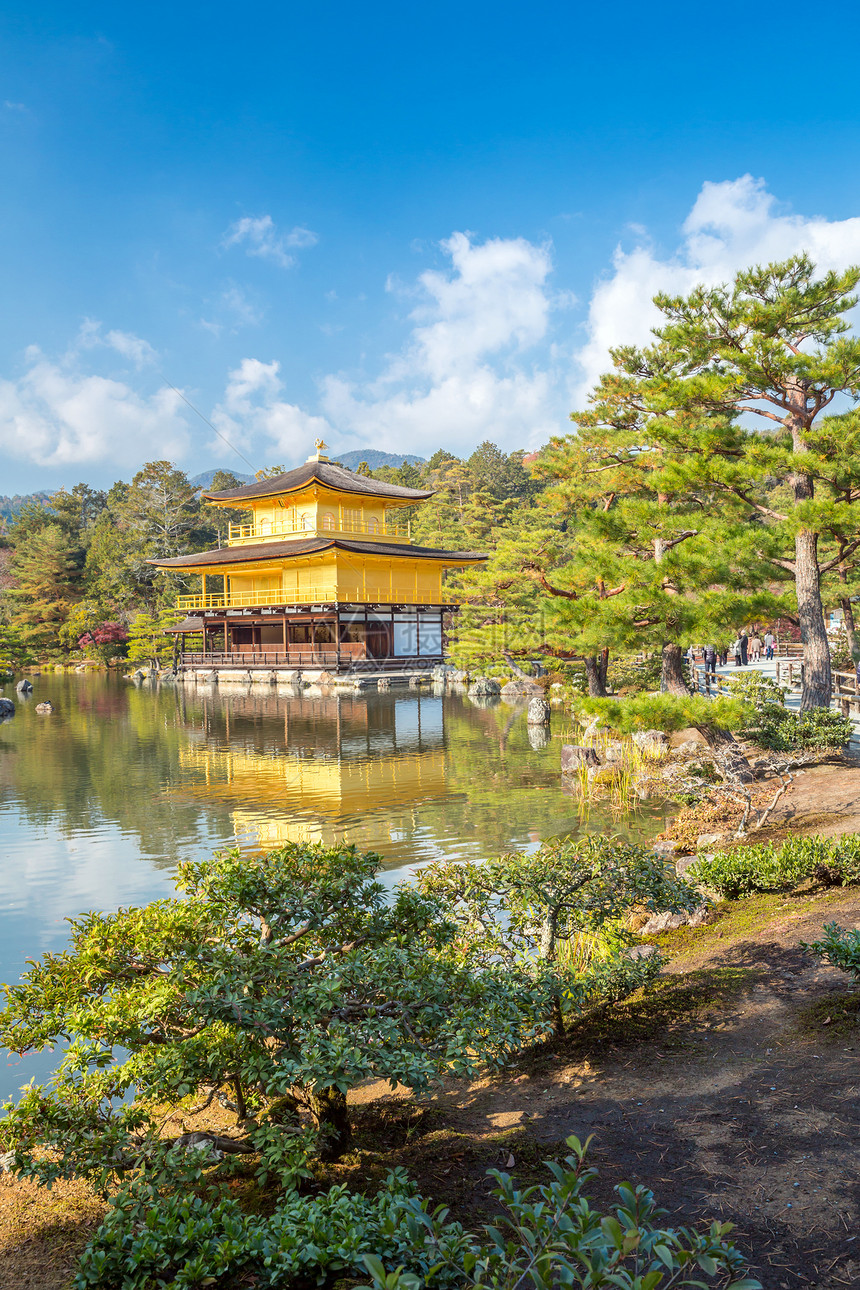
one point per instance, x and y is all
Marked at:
(204, 479)
(10, 506)
(375, 458)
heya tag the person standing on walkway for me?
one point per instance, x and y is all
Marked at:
(710, 656)
(743, 641)
(755, 647)
(769, 643)
(735, 651)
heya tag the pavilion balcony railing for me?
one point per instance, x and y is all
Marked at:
(362, 595)
(390, 530)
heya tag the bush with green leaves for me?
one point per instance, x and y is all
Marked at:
(769, 866)
(526, 909)
(548, 1235)
(782, 729)
(840, 947)
(276, 984)
(273, 987)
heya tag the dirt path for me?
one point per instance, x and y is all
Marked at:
(723, 1091)
(823, 799)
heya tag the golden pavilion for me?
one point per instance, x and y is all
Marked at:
(324, 576)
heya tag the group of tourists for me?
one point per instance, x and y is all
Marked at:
(743, 650)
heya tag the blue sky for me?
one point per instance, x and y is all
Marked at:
(397, 226)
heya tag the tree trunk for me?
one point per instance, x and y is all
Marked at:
(817, 688)
(672, 679)
(850, 628)
(516, 669)
(729, 751)
(595, 673)
(328, 1107)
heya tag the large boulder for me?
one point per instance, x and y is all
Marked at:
(24, 686)
(515, 691)
(539, 713)
(484, 688)
(575, 755)
(669, 922)
(46, 708)
(7, 709)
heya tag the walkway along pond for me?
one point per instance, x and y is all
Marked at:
(100, 801)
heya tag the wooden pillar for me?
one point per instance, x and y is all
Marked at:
(203, 589)
(286, 651)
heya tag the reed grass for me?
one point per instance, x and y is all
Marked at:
(633, 763)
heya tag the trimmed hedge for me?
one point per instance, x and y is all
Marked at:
(766, 867)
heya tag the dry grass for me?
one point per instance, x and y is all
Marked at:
(42, 1233)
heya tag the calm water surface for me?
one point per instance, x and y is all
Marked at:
(101, 801)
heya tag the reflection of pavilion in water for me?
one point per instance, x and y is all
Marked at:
(304, 769)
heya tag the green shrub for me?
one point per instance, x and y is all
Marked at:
(548, 1235)
(840, 947)
(817, 729)
(781, 729)
(765, 867)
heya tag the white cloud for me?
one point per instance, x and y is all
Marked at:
(732, 225)
(15, 107)
(253, 410)
(232, 310)
(260, 237)
(57, 415)
(137, 351)
(464, 373)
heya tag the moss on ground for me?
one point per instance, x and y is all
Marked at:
(833, 1019)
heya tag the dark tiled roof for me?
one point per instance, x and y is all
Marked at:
(325, 473)
(309, 546)
(187, 625)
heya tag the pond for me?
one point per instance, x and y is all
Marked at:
(100, 801)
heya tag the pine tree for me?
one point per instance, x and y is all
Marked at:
(47, 584)
(772, 346)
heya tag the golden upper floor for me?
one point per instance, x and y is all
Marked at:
(319, 499)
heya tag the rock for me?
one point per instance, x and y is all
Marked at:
(642, 952)
(516, 690)
(706, 841)
(665, 847)
(642, 738)
(669, 922)
(682, 864)
(689, 748)
(7, 1162)
(45, 708)
(689, 735)
(7, 709)
(384, 683)
(539, 713)
(604, 774)
(445, 674)
(614, 750)
(575, 755)
(484, 687)
(24, 687)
